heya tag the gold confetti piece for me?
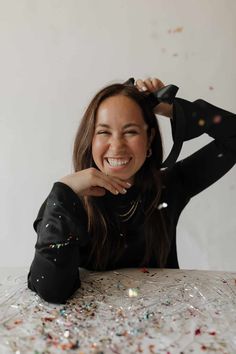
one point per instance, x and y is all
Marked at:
(201, 122)
(132, 292)
(178, 29)
(175, 30)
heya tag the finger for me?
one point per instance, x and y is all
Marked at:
(141, 86)
(149, 84)
(103, 181)
(112, 184)
(121, 182)
(116, 186)
(157, 84)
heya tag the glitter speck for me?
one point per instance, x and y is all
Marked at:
(37, 280)
(132, 292)
(67, 333)
(47, 225)
(54, 204)
(121, 234)
(217, 119)
(59, 216)
(201, 122)
(42, 276)
(162, 205)
(220, 155)
(55, 259)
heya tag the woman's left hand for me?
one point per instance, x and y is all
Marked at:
(152, 85)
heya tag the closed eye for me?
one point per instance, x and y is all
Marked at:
(103, 132)
(131, 132)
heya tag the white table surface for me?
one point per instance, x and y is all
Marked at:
(123, 311)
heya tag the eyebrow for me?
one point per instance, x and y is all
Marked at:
(124, 127)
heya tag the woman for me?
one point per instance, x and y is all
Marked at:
(120, 208)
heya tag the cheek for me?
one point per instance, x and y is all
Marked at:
(97, 148)
(139, 146)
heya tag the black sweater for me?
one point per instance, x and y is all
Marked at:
(63, 242)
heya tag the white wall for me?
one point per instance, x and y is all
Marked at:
(55, 55)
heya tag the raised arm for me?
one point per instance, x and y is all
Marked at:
(211, 162)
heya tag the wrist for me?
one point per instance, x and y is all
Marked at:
(164, 109)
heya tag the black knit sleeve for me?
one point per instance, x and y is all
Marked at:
(211, 162)
(61, 227)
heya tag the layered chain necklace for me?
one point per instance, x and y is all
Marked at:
(128, 215)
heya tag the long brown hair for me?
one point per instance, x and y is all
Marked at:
(148, 180)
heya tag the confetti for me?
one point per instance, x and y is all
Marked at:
(201, 122)
(162, 205)
(64, 244)
(144, 270)
(169, 311)
(175, 30)
(132, 292)
(217, 119)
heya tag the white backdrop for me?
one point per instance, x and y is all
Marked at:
(56, 54)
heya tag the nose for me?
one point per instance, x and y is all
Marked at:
(117, 143)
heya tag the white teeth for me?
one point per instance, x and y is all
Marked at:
(117, 162)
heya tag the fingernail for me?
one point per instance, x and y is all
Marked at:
(128, 184)
(124, 190)
(116, 191)
(144, 88)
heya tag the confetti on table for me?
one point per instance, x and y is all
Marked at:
(124, 311)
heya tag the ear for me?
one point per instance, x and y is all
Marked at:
(151, 137)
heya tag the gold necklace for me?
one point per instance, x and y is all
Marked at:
(128, 215)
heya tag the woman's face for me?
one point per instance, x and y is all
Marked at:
(120, 140)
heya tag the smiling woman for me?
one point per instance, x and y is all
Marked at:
(120, 208)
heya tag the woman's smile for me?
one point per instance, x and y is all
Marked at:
(117, 162)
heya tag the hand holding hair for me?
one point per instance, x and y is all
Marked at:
(153, 85)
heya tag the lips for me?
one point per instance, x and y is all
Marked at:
(117, 162)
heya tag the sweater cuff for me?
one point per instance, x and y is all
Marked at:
(178, 127)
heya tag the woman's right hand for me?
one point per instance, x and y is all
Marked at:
(92, 182)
